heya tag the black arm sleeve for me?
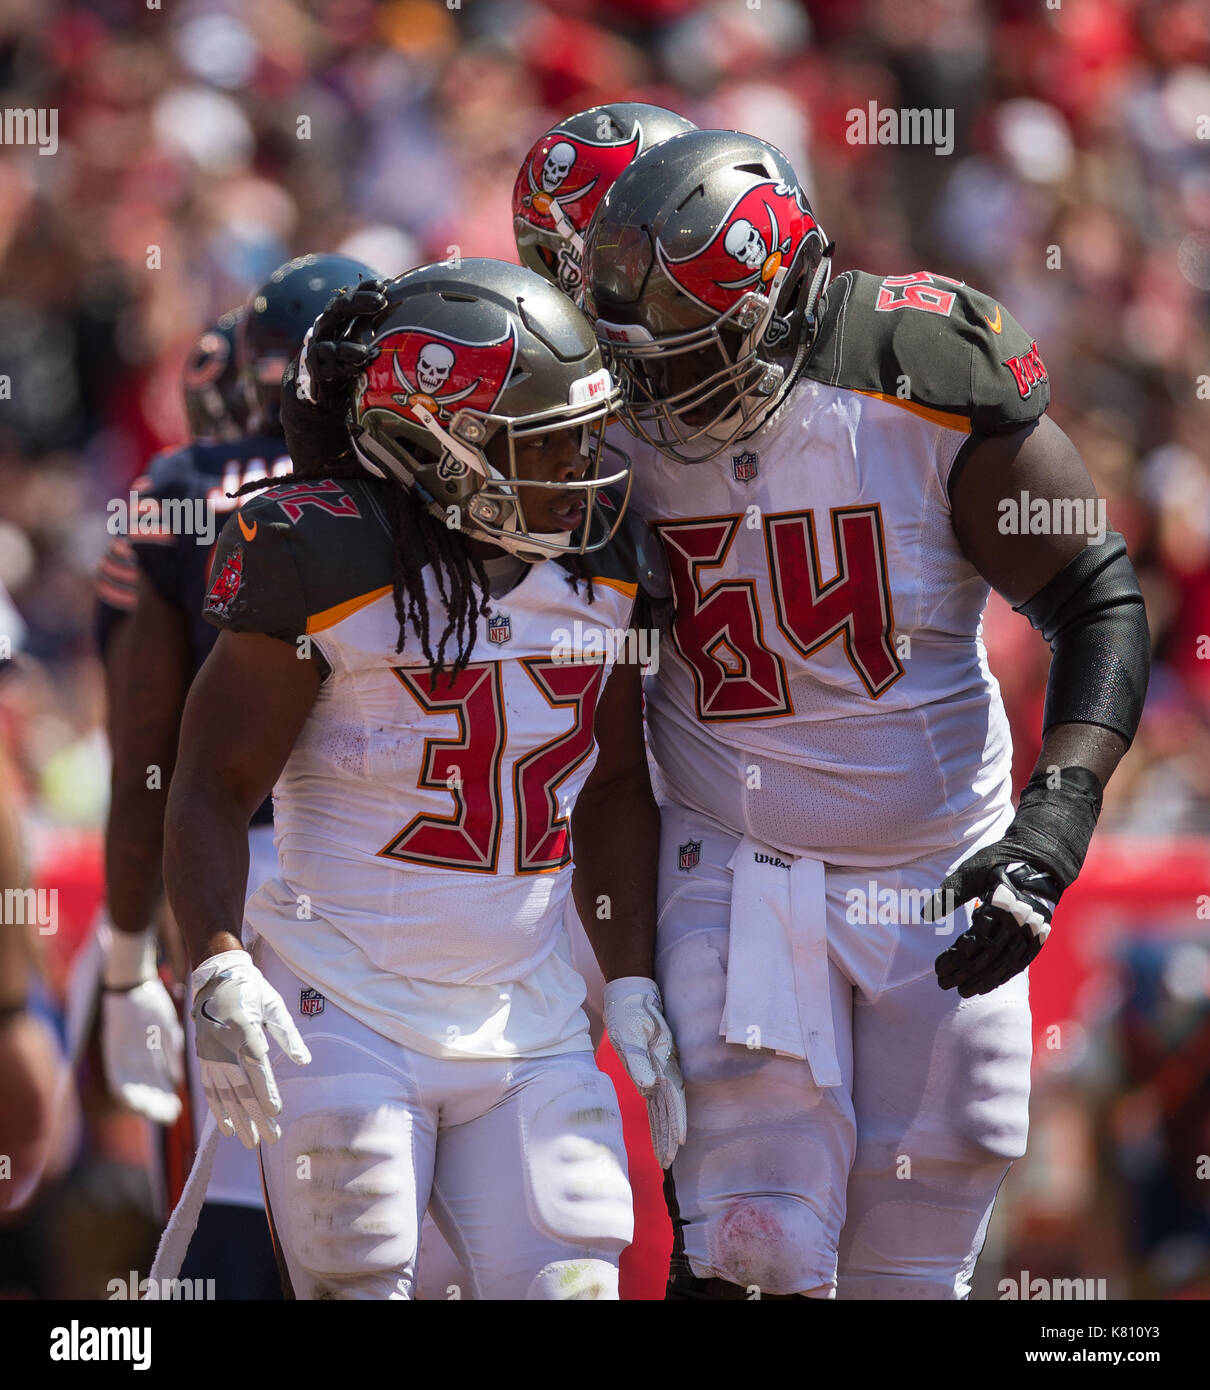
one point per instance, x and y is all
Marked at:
(1092, 615)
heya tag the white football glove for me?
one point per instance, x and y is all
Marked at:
(142, 1043)
(640, 1035)
(234, 1006)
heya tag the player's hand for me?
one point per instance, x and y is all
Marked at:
(1008, 928)
(634, 1020)
(234, 1007)
(142, 1042)
(327, 361)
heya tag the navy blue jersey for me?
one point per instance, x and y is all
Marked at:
(168, 528)
(174, 544)
(185, 506)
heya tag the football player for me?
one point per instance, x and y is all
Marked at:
(409, 657)
(839, 474)
(153, 641)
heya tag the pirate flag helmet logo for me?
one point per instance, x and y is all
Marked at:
(566, 174)
(423, 373)
(757, 239)
(564, 177)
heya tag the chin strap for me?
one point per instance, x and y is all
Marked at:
(808, 330)
(522, 546)
(819, 283)
(809, 323)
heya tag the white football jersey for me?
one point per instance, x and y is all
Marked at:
(826, 687)
(423, 833)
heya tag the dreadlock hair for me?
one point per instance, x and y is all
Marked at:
(420, 539)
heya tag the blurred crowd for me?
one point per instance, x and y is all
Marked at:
(202, 143)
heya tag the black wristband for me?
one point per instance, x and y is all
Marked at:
(1054, 824)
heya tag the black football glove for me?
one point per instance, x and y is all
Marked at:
(316, 385)
(1008, 928)
(1018, 881)
(328, 362)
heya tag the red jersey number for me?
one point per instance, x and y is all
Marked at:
(921, 290)
(718, 628)
(468, 768)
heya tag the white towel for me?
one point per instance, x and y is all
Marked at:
(777, 961)
(174, 1243)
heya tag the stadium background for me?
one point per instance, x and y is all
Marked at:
(231, 136)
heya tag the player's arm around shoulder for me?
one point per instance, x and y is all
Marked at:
(245, 710)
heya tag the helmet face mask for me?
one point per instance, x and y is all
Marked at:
(499, 510)
(473, 367)
(703, 265)
(692, 394)
(215, 402)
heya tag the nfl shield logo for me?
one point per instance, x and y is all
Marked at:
(690, 855)
(310, 1001)
(499, 628)
(744, 466)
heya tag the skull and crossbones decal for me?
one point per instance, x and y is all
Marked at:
(761, 233)
(557, 165)
(560, 160)
(418, 372)
(434, 362)
(746, 244)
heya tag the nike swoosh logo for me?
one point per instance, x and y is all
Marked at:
(250, 531)
(995, 327)
(209, 1017)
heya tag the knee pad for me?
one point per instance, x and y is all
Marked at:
(775, 1244)
(912, 1247)
(579, 1193)
(575, 1279)
(342, 1185)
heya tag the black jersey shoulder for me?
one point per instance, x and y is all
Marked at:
(300, 556)
(926, 341)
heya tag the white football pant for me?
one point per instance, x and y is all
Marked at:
(521, 1162)
(881, 1187)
